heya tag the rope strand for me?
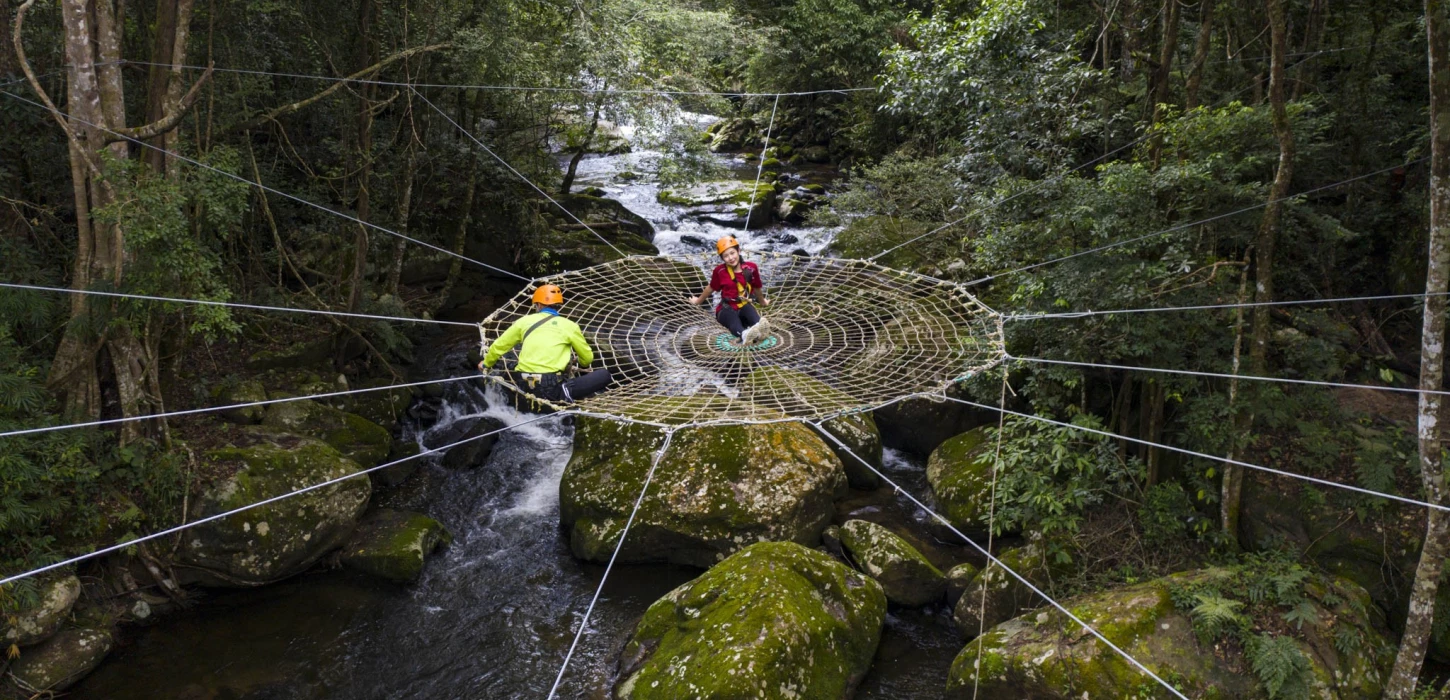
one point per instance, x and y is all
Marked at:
(1202, 307)
(1221, 375)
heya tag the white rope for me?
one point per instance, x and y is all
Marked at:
(1221, 375)
(760, 167)
(228, 304)
(1191, 224)
(1225, 460)
(1295, 302)
(234, 511)
(520, 175)
(998, 562)
(520, 88)
(279, 193)
(210, 409)
(669, 435)
(991, 526)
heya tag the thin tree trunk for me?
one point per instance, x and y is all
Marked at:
(365, 171)
(583, 148)
(1421, 615)
(1233, 475)
(460, 237)
(1313, 34)
(1125, 406)
(7, 52)
(1269, 227)
(405, 209)
(1168, 46)
(1200, 52)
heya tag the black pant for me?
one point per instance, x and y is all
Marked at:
(551, 387)
(737, 320)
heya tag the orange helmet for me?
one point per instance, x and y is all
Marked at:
(726, 243)
(548, 295)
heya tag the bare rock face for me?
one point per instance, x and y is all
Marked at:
(60, 661)
(35, 624)
(715, 491)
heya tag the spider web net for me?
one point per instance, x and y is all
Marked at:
(844, 336)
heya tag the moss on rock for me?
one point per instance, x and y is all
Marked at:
(280, 539)
(906, 576)
(797, 392)
(357, 438)
(1006, 596)
(34, 624)
(249, 391)
(960, 474)
(775, 620)
(393, 544)
(715, 490)
(60, 661)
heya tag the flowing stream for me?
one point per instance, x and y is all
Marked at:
(494, 613)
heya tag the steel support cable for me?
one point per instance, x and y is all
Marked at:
(271, 190)
(519, 88)
(520, 175)
(1222, 375)
(229, 304)
(991, 523)
(212, 518)
(994, 560)
(1203, 455)
(1179, 227)
(211, 409)
(655, 462)
(760, 167)
(1203, 307)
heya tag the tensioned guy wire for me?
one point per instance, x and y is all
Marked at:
(669, 435)
(760, 167)
(211, 518)
(1203, 307)
(1216, 458)
(1221, 375)
(520, 175)
(228, 304)
(277, 192)
(1060, 607)
(212, 409)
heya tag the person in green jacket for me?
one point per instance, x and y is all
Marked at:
(546, 340)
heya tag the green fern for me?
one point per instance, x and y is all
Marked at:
(1280, 666)
(1302, 613)
(1215, 614)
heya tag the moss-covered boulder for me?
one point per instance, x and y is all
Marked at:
(960, 474)
(797, 392)
(37, 622)
(726, 203)
(60, 661)
(906, 576)
(919, 426)
(357, 438)
(1046, 655)
(733, 134)
(294, 356)
(775, 620)
(1005, 595)
(248, 391)
(958, 578)
(384, 406)
(392, 544)
(274, 541)
(715, 490)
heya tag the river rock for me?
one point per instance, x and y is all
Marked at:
(295, 356)
(1046, 655)
(573, 247)
(467, 454)
(959, 577)
(919, 426)
(857, 430)
(34, 624)
(249, 391)
(1006, 596)
(726, 203)
(793, 211)
(357, 438)
(960, 474)
(384, 406)
(715, 490)
(58, 662)
(732, 134)
(904, 574)
(274, 541)
(392, 544)
(775, 620)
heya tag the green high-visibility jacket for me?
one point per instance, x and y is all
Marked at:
(548, 347)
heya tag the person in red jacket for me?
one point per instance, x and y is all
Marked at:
(738, 283)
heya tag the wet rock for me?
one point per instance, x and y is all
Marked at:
(715, 490)
(960, 474)
(593, 192)
(274, 541)
(402, 468)
(774, 620)
(919, 426)
(34, 624)
(857, 431)
(904, 574)
(793, 211)
(573, 247)
(958, 578)
(61, 661)
(384, 406)
(295, 356)
(727, 202)
(733, 134)
(1006, 597)
(357, 438)
(241, 392)
(816, 154)
(472, 453)
(393, 544)
(1046, 655)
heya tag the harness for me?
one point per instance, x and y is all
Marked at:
(546, 382)
(743, 288)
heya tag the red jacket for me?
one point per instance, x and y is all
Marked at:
(735, 290)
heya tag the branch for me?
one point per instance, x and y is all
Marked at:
(364, 73)
(35, 82)
(166, 123)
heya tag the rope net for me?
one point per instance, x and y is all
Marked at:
(844, 336)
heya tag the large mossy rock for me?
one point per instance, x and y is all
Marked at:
(733, 134)
(857, 431)
(384, 406)
(295, 356)
(274, 541)
(249, 391)
(357, 438)
(58, 662)
(36, 623)
(993, 595)
(960, 474)
(726, 203)
(904, 574)
(716, 490)
(572, 247)
(919, 426)
(393, 544)
(775, 620)
(1046, 655)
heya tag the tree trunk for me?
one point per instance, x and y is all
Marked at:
(405, 210)
(583, 148)
(1313, 34)
(1159, 90)
(165, 80)
(1200, 52)
(460, 238)
(1269, 227)
(365, 151)
(7, 53)
(1421, 613)
(1233, 475)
